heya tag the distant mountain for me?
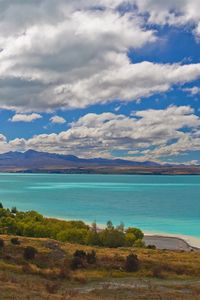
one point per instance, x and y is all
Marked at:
(34, 161)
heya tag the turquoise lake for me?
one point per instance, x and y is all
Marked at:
(165, 204)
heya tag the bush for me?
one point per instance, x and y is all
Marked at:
(129, 239)
(1, 205)
(1, 244)
(112, 238)
(15, 241)
(132, 263)
(153, 247)
(80, 253)
(137, 232)
(91, 257)
(29, 252)
(139, 243)
(14, 210)
(92, 238)
(77, 263)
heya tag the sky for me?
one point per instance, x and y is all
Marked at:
(106, 78)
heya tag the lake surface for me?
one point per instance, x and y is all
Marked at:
(165, 204)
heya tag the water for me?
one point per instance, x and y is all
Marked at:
(165, 204)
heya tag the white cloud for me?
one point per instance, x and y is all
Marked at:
(172, 12)
(57, 120)
(25, 117)
(150, 134)
(72, 54)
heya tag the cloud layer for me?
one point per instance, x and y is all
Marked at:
(150, 133)
(72, 54)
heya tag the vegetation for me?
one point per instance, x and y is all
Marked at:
(1, 244)
(15, 241)
(29, 252)
(132, 263)
(70, 260)
(33, 224)
(129, 273)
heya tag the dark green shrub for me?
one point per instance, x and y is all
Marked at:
(1, 205)
(112, 238)
(1, 244)
(29, 252)
(91, 257)
(80, 253)
(15, 241)
(93, 239)
(77, 263)
(132, 263)
(14, 210)
(153, 247)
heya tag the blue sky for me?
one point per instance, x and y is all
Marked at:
(93, 79)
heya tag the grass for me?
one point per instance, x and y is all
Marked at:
(162, 274)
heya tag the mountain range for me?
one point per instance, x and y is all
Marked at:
(34, 161)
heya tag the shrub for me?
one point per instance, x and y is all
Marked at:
(136, 231)
(153, 247)
(91, 257)
(131, 263)
(14, 210)
(129, 239)
(139, 243)
(92, 238)
(80, 253)
(1, 205)
(1, 244)
(112, 238)
(77, 263)
(29, 252)
(15, 241)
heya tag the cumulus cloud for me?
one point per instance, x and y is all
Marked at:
(152, 133)
(172, 12)
(25, 117)
(57, 120)
(72, 54)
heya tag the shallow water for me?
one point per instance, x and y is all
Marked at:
(168, 204)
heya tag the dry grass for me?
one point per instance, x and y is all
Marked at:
(163, 274)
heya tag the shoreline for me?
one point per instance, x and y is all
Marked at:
(167, 241)
(172, 241)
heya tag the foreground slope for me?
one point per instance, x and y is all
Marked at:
(162, 274)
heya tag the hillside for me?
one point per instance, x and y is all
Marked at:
(162, 274)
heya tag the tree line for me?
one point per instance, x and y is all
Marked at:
(33, 224)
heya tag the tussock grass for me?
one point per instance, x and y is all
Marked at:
(164, 274)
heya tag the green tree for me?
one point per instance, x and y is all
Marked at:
(129, 239)
(112, 238)
(109, 225)
(136, 231)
